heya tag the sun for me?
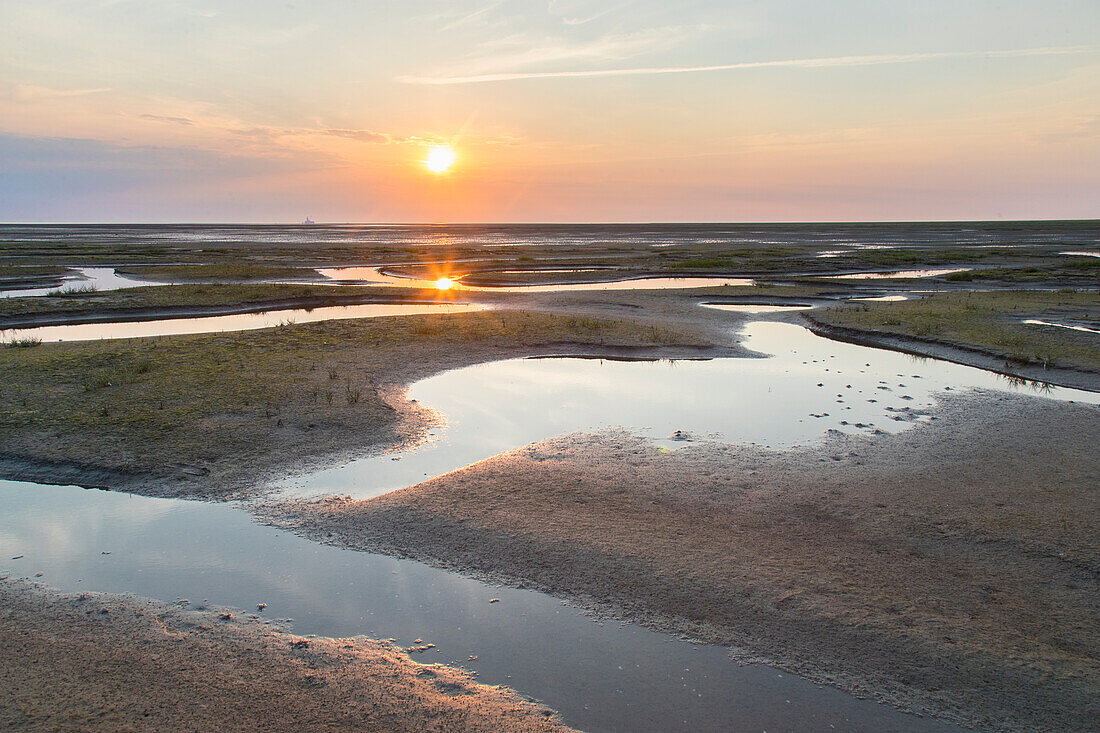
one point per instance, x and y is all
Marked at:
(444, 283)
(440, 158)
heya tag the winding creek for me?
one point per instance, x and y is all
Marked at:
(234, 322)
(602, 676)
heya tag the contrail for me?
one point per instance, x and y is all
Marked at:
(814, 63)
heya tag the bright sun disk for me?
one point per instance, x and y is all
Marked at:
(440, 158)
(444, 283)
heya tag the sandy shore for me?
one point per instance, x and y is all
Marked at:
(950, 569)
(118, 663)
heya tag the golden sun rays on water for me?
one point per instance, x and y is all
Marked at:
(444, 283)
(440, 158)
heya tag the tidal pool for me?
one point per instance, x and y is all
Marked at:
(236, 322)
(807, 386)
(602, 676)
(100, 278)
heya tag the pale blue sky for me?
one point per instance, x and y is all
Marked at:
(170, 110)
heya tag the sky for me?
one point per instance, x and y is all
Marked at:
(557, 111)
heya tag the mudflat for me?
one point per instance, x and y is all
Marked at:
(950, 569)
(108, 663)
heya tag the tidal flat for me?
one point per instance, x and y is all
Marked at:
(935, 553)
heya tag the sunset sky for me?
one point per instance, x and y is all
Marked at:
(778, 110)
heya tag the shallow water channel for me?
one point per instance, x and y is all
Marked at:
(99, 278)
(602, 676)
(235, 322)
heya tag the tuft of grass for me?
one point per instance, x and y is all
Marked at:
(73, 291)
(24, 342)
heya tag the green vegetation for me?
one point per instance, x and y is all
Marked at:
(24, 342)
(286, 392)
(11, 272)
(72, 290)
(991, 321)
(1064, 270)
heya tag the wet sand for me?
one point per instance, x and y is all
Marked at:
(950, 569)
(109, 663)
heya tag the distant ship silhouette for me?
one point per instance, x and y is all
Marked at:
(309, 221)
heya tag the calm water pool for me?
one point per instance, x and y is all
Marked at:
(808, 385)
(101, 278)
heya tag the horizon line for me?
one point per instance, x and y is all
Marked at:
(553, 223)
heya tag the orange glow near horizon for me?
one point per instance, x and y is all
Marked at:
(440, 158)
(444, 283)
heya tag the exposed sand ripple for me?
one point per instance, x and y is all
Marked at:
(950, 569)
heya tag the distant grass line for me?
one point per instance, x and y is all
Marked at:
(990, 321)
(1071, 270)
(15, 272)
(138, 405)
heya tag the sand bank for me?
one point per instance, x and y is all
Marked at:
(949, 569)
(109, 662)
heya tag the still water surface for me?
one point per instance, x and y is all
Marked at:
(602, 676)
(100, 278)
(809, 385)
(236, 322)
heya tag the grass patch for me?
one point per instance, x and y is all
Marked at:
(18, 272)
(142, 405)
(990, 321)
(1085, 269)
(73, 291)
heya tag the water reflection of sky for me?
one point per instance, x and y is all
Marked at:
(602, 676)
(237, 322)
(808, 385)
(100, 278)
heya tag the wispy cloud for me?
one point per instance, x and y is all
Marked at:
(32, 93)
(500, 64)
(808, 63)
(569, 16)
(468, 17)
(171, 120)
(366, 136)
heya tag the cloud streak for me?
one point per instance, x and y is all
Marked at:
(810, 63)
